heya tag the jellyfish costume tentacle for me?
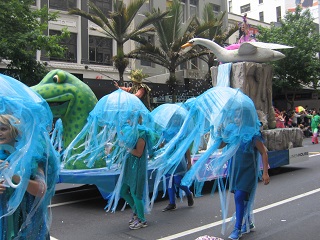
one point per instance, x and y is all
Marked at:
(170, 159)
(57, 136)
(22, 215)
(136, 123)
(230, 117)
(111, 131)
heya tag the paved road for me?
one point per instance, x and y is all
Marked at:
(288, 208)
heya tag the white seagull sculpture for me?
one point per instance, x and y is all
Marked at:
(248, 51)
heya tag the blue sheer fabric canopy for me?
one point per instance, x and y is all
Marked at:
(110, 133)
(57, 136)
(171, 147)
(33, 120)
(112, 124)
(229, 116)
(226, 115)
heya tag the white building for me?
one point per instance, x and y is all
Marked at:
(89, 54)
(269, 11)
(263, 10)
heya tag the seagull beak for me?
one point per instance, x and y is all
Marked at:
(186, 45)
(278, 55)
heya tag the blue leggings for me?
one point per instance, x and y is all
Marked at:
(176, 182)
(240, 199)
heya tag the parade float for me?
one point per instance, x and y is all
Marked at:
(89, 127)
(83, 120)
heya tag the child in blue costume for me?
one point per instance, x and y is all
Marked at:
(174, 177)
(26, 221)
(29, 166)
(134, 179)
(243, 172)
(243, 177)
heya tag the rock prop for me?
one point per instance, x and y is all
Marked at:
(255, 80)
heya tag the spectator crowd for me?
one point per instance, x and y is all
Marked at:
(301, 117)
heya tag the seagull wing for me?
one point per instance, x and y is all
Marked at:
(269, 45)
(247, 48)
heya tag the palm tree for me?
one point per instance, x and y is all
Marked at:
(172, 34)
(215, 33)
(116, 26)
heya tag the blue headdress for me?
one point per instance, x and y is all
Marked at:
(169, 121)
(31, 116)
(112, 124)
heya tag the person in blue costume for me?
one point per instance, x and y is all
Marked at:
(175, 175)
(29, 165)
(231, 120)
(134, 179)
(243, 173)
(13, 225)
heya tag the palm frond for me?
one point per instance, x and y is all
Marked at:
(156, 15)
(150, 53)
(95, 19)
(132, 10)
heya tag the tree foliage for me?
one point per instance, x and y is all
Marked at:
(22, 34)
(118, 26)
(301, 65)
(172, 34)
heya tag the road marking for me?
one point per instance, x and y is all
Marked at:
(198, 229)
(72, 202)
(314, 154)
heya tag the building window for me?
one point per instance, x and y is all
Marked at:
(216, 8)
(261, 17)
(193, 8)
(230, 6)
(194, 63)
(184, 11)
(64, 5)
(278, 12)
(100, 50)
(260, 1)
(149, 4)
(104, 5)
(150, 39)
(183, 66)
(245, 8)
(70, 44)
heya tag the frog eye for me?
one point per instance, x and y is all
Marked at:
(58, 79)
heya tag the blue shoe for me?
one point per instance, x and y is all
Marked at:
(245, 230)
(235, 234)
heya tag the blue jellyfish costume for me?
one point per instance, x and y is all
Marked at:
(228, 116)
(57, 136)
(22, 215)
(168, 159)
(112, 130)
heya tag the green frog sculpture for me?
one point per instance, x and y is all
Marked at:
(71, 100)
